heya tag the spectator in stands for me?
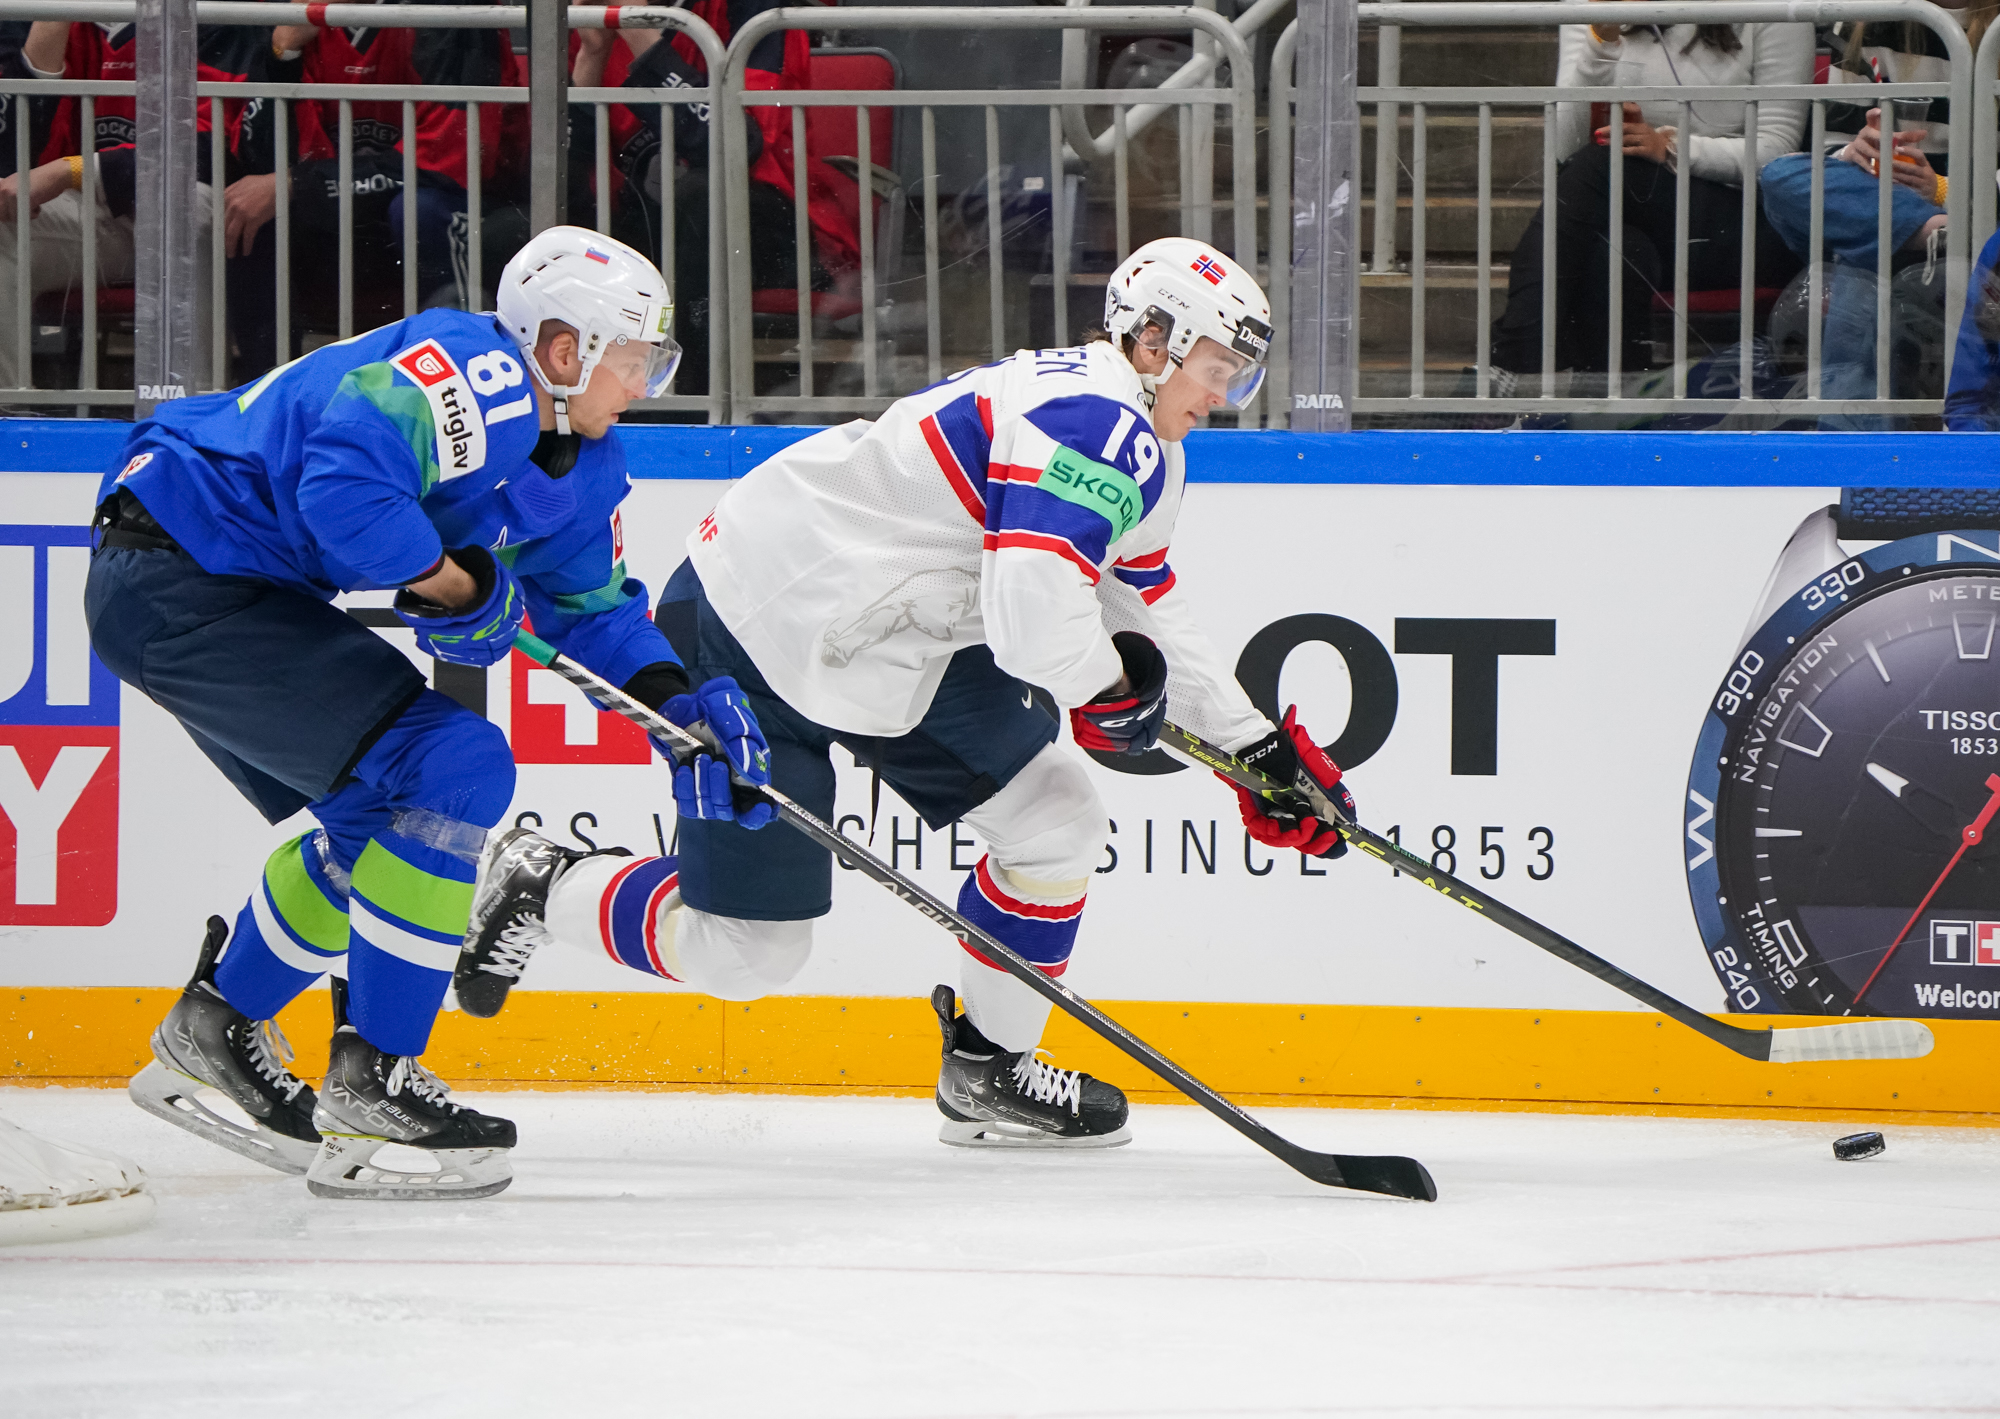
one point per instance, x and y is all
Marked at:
(310, 54)
(643, 162)
(1880, 53)
(1608, 55)
(57, 49)
(1972, 404)
(39, 113)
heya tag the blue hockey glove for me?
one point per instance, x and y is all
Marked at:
(480, 634)
(702, 789)
(1128, 723)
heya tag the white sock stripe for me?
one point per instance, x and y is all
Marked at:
(279, 941)
(405, 945)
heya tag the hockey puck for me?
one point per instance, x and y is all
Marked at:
(1858, 1145)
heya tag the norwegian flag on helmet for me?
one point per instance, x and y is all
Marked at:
(1210, 270)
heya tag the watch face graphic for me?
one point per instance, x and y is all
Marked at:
(1842, 853)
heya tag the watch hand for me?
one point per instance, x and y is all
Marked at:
(1932, 811)
(1974, 832)
(1895, 783)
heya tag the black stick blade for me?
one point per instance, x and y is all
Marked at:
(1397, 1177)
(1391, 1176)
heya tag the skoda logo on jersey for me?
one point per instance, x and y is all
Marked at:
(58, 739)
(455, 418)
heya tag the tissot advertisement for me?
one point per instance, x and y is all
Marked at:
(1585, 701)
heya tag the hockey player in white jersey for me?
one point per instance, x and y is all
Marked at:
(900, 588)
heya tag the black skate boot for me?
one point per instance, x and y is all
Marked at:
(992, 1098)
(370, 1100)
(514, 883)
(207, 1043)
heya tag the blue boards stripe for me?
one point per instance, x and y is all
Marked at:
(1517, 459)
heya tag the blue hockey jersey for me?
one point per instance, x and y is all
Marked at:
(353, 468)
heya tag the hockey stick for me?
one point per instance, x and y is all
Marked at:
(1858, 1039)
(1397, 1177)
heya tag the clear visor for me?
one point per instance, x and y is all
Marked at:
(1232, 375)
(644, 367)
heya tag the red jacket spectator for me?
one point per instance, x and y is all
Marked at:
(781, 61)
(406, 56)
(224, 54)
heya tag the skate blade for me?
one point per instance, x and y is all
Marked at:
(990, 1134)
(344, 1168)
(171, 1095)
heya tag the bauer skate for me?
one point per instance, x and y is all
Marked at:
(206, 1043)
(370, 1100)
(991, 1098)
(520, 869)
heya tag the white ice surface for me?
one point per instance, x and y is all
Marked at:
(681, 1254)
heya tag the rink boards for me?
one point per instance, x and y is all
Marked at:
(1636, 558)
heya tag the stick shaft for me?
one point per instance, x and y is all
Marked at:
(994, 950)
(1755, 1044)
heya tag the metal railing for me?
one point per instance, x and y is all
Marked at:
(1088, 169)
(1966, 224)
(1239, 100)
(340, 99)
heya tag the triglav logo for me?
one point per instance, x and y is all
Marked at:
(427, 364)
(58, 739)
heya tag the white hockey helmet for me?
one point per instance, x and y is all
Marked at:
(1184, 289)
(608, 293)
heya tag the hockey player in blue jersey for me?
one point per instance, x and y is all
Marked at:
(903, 587)
(468, 462)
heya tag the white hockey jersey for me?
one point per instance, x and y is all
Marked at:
(1024, 505)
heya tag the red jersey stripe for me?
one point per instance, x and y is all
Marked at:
(947, 462)
(672, 884)
(604, 909)
(1050, 971)
(1154, 593)
(1043, 542)
(1014, 906)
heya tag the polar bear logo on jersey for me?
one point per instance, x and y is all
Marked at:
(931, 603)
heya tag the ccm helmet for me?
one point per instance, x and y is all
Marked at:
(1171, 292)
(602, 289)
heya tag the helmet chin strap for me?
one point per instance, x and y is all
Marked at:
(1149, 384)
(560, 393)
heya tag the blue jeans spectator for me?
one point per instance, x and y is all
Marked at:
(1847, 367)
(1972, 404)
(441, 235)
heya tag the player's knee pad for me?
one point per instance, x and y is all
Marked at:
(734, 959)
(1046, 828)
(441, 757)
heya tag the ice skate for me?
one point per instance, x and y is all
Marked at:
(506, 930)
(370, 1100)
(992, 1098)
(205, 1043)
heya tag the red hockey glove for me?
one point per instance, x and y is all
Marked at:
(1128, 723)
(1284, 822)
